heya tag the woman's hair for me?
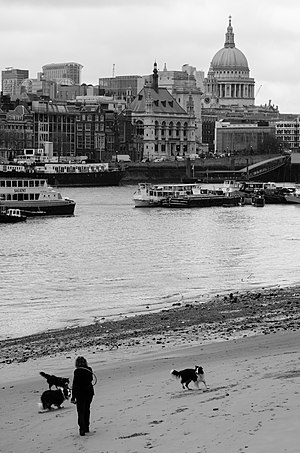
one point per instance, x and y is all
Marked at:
(80, 362)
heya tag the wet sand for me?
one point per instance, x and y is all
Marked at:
(222, 318)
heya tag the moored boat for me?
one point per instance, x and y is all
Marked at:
(293, 196)
(67, 174)
(181, 196)
(33, 196)
(11, 216)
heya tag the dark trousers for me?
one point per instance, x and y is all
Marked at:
(83, 410)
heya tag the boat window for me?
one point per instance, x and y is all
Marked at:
(25, 196)
(31, 183)
(31, 196)
(36, 196)
(36, 183)
(14, 183)
(15, 196)
(2, 183)
(25, 183)
(8, 183)
(20, 183)
(20, 197)
(8, 196)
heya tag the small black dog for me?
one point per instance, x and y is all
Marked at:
(55, 398)
(188, 375)
(55, 380)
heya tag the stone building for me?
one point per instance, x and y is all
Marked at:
(163, 128)
(182, 85)
(228, 81)
(16, 130)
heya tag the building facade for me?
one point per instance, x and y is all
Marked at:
(241, 137)
(182, 85)
(54, 123)
(16, 129)
(63, 72)
(12, 80)
(163, 129)
(122, 87)
(287, 133)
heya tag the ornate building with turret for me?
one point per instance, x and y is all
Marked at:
(163, 129)
(228, 82)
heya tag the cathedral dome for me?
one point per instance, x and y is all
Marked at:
(229, 57)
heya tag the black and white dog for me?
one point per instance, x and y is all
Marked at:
(55, 380)
(51, 398)
(188, 375)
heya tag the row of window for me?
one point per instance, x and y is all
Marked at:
(88, 127)
(22, 183)
(90, 118)
(292, 125)
(19, 196)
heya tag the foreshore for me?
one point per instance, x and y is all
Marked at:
(223, 317)
(248, 344)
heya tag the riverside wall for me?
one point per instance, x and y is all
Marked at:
(200, 169)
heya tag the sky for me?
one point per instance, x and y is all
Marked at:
(126, 37)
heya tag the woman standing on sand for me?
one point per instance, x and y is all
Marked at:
(82, 393)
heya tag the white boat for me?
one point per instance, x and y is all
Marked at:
(181, 195)
(150, 195)
(33, 196)
(293, 196)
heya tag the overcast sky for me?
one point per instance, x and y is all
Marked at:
(131, 34)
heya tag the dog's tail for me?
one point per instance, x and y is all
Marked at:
(175, 373)
(45, 375)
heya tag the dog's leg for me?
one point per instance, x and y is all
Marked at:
(204, 382)
(187, 385)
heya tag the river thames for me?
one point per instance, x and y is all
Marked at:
(111, 259)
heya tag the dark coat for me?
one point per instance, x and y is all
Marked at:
(82, 383)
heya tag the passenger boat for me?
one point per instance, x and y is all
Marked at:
(11, 216)
(180, 196)
(293, 196)
(67, 174)
(33, 197)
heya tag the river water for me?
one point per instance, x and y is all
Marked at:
(112, 259)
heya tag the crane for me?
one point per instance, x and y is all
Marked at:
(258, 90)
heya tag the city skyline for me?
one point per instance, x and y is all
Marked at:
(125, 37)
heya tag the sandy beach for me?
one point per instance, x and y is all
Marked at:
(248, 345)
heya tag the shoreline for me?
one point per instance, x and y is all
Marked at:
(223, 317)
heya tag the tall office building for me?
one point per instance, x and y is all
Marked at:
(63, 73)
(11, 81)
